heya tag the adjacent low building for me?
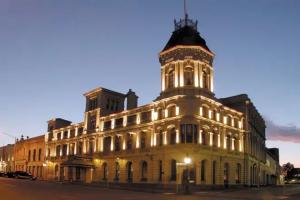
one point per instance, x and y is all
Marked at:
(30, 155)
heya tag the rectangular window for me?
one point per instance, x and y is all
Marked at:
(119, 122)
(106, 145)
(188, 133)
(117, 143)
(80, 131)
(65, 134)
(131, 119)
(64, 150)
(92, 104)
(146, 116)
(58, 150)
(107, 125)
(92, 122)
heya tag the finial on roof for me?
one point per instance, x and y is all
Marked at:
(185, 21)
(185, 10)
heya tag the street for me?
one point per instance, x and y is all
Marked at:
(40, 190)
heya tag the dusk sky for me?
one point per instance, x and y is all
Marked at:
(53, 51)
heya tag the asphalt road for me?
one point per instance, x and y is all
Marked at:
(15, 189)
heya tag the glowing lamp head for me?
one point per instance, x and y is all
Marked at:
(187, 160)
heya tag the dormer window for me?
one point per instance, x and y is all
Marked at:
(205, 79)
(170, 79)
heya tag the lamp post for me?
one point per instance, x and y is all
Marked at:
(186, 181)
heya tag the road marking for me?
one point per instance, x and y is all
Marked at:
(201, 192)
(169, 193)
(283, 197)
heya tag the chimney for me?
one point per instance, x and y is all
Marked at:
(132, 100)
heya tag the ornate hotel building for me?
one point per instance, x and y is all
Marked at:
(185, 133)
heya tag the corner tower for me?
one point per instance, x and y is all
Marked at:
(186, 63)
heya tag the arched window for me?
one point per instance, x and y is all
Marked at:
(172, 111)
(188, 75)
(236, 144)
(40, 154)
(215, 139)
(129, 171)
(205, 79)
(214, 172)
(238, 173)
(104, 168)
(203, 170)
(205, 111)
(144, 171)
(159, 138)
(170, 78)
(117, 171)
(172, 136)
(143, 140)
(203, 137)
(226, 173)
(29, 154)
(228, 143)
(160, 114)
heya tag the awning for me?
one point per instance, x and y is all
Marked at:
(78, 163)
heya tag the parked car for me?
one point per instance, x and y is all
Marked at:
(24, 175)
(2, 174)
(10, 174)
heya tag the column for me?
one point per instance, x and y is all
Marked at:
(165, 138)
(176, 74)
(196, 74)
(181, 83)
(210, 138)
(76, 131)
(212, 81)
(95, 145)
(177, 136)
(200, 136)
(101, 144)
(163, 86)
(112, 143)
(200, 76)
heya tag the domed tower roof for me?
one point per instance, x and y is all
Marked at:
(186, 34)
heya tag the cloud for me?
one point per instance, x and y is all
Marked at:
(288, 133)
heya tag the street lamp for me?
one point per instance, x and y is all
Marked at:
(187, 162)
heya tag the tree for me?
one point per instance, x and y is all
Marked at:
(287, 169)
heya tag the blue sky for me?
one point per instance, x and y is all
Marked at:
(52, 51)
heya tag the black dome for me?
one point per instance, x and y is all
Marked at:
(186, 35)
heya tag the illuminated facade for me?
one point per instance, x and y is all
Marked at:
(223, 139)
(7, 158)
